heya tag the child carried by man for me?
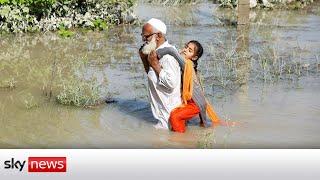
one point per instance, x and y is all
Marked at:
(193, 99)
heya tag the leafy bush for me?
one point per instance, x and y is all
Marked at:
(16, 19)
(45, 15)
(38, 8)
(228, 3)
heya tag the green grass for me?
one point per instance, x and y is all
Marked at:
(63, 32)
(100, 24)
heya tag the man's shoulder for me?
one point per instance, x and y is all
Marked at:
(167, 44)
(169, 59)
(168, 56)
(171, 46)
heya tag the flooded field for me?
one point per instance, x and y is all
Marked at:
(270, 86)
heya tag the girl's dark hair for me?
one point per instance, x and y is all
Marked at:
(199, 52)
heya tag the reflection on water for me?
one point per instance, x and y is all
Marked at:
(276, 108)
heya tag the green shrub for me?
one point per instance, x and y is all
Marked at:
(47, 15)
(77, 93)
(100, 24)
(228, 3)
(16, 19)
(63, 32)
(38, 8)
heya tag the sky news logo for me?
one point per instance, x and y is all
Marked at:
(38, 164)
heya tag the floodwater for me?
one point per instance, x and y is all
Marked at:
(272, 111)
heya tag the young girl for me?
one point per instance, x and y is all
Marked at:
(193, 100)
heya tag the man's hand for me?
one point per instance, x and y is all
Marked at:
(144, 59)
(154, 62)
(153, 58)
(142, 56)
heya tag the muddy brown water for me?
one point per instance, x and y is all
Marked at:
(271, 114)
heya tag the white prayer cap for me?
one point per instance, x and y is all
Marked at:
(158, 24)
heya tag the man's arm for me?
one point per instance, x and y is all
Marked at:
(168, 73)
(144, 59)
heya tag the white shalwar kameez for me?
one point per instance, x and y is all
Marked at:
(165, 90)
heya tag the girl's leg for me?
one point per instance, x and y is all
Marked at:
(180, 115)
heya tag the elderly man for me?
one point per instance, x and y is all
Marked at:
(164, 75)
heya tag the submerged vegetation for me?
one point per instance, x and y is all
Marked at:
(232, 4)
(81, 92)
(228, 69)
(206, 140)
(9, 83)
(54, 73)
(48, 15)
(77, 90)
(29, 101)
(269, 4)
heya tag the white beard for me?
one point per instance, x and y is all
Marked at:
(152, 45)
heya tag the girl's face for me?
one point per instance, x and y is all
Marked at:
(189, 51)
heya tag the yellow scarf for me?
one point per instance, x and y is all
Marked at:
(187, 89)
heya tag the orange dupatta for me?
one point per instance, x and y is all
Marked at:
(187, 89)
